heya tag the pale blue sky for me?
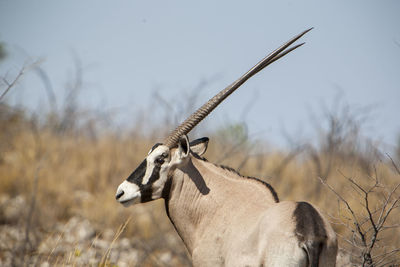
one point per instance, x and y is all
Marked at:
(130, 48)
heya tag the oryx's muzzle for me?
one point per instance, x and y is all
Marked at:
(128, 193)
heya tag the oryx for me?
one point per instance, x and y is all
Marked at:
(223, 218)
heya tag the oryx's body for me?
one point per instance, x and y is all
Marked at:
(225, 219)
(228, 220)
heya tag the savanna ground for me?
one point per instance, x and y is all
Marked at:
(59, 171)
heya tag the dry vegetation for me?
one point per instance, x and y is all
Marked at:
(60, 170)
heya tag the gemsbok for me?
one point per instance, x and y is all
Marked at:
(223, 218)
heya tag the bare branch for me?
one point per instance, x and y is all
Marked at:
(383, 216)
(355, 220)
(12, 83)
(394, 164)
(386, 253)
(15, 80)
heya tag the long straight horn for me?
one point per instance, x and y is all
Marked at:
(204, 110)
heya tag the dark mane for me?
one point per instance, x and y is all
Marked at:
(270, 188)
(273, 192)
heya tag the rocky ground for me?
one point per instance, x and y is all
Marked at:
(74, 243)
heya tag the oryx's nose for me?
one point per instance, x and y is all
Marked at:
(119, 194)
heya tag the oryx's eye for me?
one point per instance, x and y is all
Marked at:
(159, 160)
(164, 155)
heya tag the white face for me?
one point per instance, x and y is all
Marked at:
(147, 182)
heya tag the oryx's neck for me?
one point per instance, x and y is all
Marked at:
(200, 199)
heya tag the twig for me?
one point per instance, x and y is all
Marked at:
(11, 84)
(355, 220)
(394, 164)
(15, 80)
(106, 255)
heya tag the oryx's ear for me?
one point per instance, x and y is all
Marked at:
(183, 147)
(199, 146)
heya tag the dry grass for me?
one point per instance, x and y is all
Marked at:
(74, 172)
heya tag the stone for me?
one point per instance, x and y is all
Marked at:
(78, 230)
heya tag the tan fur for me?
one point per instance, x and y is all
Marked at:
(228, 220)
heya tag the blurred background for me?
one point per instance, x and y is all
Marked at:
(88, 87)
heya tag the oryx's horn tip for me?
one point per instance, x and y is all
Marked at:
(304, 32)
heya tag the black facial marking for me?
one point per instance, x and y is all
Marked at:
(146, 190)
(137, 175)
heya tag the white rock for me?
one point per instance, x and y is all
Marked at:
(78, 230)
(124, 244)
(128, 258)
(166, 257)
(108, 234)
(101, 244)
